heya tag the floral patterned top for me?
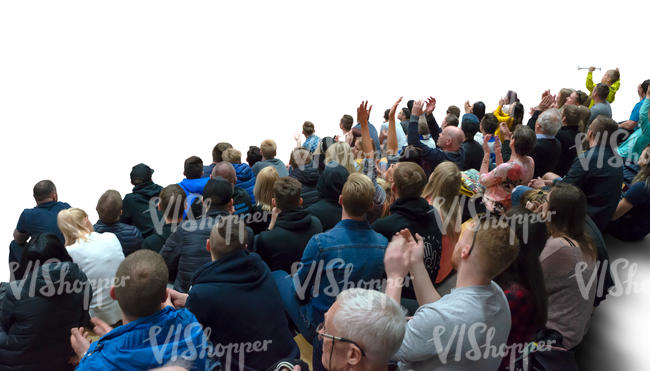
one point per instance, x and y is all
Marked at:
(500, 182)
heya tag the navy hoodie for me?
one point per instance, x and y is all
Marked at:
(330, 186)
(136, 210)
(237, 299)
(308, 178)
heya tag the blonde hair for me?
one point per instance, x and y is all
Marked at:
(444, 184)
(268, 149)
(73, 225)
(263, 190)
(358, 194)
(231, 155)
(341, 153)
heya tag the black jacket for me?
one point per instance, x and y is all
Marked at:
(237, 298)
(241, 201)
(284, 244)
(185, 250)
(473, 155)
(308, 178)
(136, 210)
(567, 137)
(419, 217)
(546, 155)
(600, 180)
(433, 156)
(156, 241)
(330, 186)
(35, 326)
(129, 236)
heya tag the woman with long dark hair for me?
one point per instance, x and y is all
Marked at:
(569, 257)
(523, 281)
(39, 309)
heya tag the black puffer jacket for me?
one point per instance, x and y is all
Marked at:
(308, 178)
(35, 322)
(330, 185)
(185, 250)
(284, 244)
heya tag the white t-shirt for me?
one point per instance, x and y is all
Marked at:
(98, 257)
(476, 317)
(401, 136)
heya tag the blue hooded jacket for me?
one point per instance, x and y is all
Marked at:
(193, 188)
(150, 342)
(245, 179)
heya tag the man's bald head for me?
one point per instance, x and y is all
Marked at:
(451, 138)
(226, 170)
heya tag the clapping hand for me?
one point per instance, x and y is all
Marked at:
(363, 113)
(431, 105)
(486, 145)
(397, 258)
(468, 107)
(417, 108)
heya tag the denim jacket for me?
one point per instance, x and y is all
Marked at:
(349, 255)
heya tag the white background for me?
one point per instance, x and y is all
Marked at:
(89, 89)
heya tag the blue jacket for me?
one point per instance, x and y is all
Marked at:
(245, 179)
(350, 254)
(193, 188)
(238, 300)
(176, 333)
(129, 236)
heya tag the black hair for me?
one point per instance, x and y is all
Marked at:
(41, 248)
(479, 109)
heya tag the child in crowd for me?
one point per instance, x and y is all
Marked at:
(611, 79)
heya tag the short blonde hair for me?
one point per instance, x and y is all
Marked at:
(358, 194)
(496, 246)
(264, 183)
(268, 149)
(341, 153)
(72, 224)
(231, 155)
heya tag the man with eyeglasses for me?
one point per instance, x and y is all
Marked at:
(361, 331)
(465, 329)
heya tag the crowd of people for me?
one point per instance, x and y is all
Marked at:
(350, 245)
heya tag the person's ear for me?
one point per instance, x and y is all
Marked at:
(300, 202)
(231, 206)
(353, 355)
(341, 200)
(273, 203)
(207, 245)
(164, 298)
(113, 293)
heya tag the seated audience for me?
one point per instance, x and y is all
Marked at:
(547, 150)
(630, 125)
(413, 212)
(473, 149)
(487, 127)
(227, 295)
(260, 215)
(343, 154)
(518, 170)
(98, 255)
(268, 149)
(449, 142)
(193, 183)
(400, 134)
(630, 221)
(311, 140)
(241, 202)
(136, 206)
(184, 251)
(601, 106)
(432, 340)
(149, 320)
(217, 156)
(245, 178)
(301, 167)
(361, 331)
(523, 284)
(171, 205)
(512, 118)
(109, 209)
(350, 252)
(453, 110)
(35, 329)
(345, 125)
(443, 193)
(597, 172)
(290, 229)
(330, 185)
(568, 258)
(40, 219)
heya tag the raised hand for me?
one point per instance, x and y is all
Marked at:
(397, 257)
(592, 69)
(468, 107)
(486, 145)
(431, 105)
(363, 113)
(393, 109)
(505, 131)
(417, 108)
(502, 101)
(497, 145)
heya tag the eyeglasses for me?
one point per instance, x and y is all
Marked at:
(321, 334)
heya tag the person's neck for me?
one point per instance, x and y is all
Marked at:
(267, 159)
(172, 221)
(345, 216)
(470, 276)
(370, 366)
(127, 319)
(45, 201)
(518, 157)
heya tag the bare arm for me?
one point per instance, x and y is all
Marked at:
(623, 207)
(363, 112)
(391, 146)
